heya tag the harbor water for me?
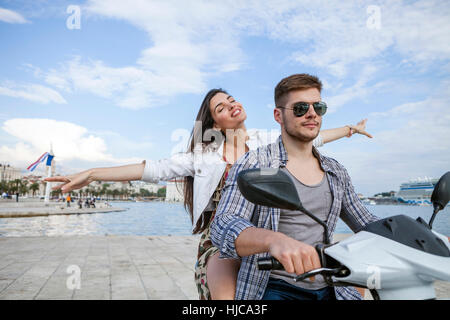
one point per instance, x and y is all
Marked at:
(161, 218)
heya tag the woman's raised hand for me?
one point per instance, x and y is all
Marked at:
(71, 182)
(360, 128)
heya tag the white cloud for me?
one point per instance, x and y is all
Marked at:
(70, 142)
(10, 16)
(412, 143)
(190, 42)
(335, 35)
(193, 40)
(32, 92)
(358, 90)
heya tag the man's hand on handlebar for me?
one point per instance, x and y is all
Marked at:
(295, 256)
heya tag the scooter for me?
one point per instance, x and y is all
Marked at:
(396, 258)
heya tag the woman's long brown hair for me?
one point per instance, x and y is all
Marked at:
(207, 122)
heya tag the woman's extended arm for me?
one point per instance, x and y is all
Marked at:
(82, 179)
(330, 135)
(179, 165)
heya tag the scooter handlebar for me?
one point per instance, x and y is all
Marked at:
(269, 263)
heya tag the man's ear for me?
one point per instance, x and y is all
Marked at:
(277, 115)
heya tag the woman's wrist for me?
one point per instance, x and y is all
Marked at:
(350, 131)
(92, 175)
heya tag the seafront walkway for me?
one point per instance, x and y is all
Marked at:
(105, 267)
(23, 209)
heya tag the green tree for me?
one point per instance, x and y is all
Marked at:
(104, 189)
(14, 186)
(56, 193)
(23, 187)
(162, 192)
(125, 193)
(144, 192)
(34, 187)
(4, 186)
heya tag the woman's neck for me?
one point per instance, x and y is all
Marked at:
(239, 134)
(235, 143)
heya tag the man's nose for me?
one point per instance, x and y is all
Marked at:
(311, 112)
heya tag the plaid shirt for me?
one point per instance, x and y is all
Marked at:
(234, 214)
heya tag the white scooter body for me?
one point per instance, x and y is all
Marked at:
(396, 257)
(394, 270)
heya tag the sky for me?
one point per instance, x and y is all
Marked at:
(114, 82)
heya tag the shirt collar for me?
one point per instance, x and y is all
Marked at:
(283, 156)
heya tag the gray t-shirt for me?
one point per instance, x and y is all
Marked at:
(316, 199)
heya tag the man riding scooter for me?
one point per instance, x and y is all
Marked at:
(289, 236)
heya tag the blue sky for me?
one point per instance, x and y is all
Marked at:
(127, 84)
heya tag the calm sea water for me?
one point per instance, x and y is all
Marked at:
(159, 218)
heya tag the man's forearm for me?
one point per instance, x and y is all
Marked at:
(254, 240)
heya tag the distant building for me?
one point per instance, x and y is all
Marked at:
(151, 187)
(35, 179)
(174, 191)
(119, 185)
(8, 172)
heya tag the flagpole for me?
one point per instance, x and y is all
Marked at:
(49, 174)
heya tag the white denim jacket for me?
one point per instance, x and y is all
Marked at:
(206, 166)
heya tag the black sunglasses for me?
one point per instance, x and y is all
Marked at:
(301, 108)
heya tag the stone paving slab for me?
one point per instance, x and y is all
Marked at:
(111, 267)
(108, 267)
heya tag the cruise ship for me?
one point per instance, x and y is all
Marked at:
(417, 191)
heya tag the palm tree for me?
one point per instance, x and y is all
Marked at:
(104, 189)
(23, 187)
(3, 186)
(162, 192)
(125, 193)
(34, 187)
(108, 193)
(56, 193)
(13, 186)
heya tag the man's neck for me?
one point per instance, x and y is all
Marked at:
(297, 149)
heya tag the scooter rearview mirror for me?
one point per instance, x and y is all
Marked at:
(272, 187)
(440, 195)
(269, 187)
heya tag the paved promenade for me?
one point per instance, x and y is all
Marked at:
(29, 209)
(108, 267)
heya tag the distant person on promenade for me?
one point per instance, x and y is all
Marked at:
(80, 203)
(68, 200)
(219, 138)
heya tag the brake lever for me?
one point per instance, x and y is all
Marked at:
(327, 271)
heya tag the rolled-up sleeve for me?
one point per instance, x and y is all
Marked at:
(234, 212)
(318, 141)
(353, 211)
